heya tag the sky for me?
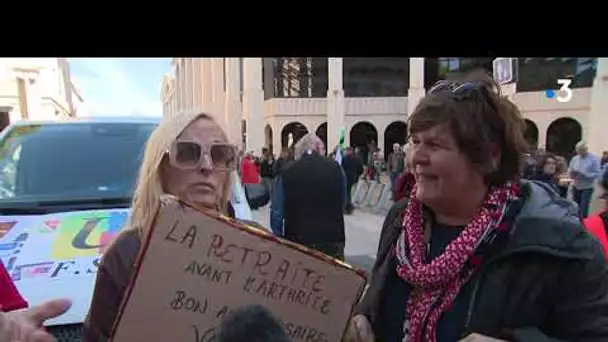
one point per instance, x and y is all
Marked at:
(120, 86)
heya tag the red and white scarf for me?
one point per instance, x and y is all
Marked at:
(436, 284)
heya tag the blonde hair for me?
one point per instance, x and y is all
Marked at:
(308, 142)
(147, 195)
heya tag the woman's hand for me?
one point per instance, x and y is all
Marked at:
(480, 338)
(27, 325)
(359, 330)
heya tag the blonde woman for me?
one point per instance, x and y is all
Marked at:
(187, 156)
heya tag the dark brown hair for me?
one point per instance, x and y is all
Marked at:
(544, 158)
(478, 121)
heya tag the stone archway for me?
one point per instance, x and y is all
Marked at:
(296, 129)
(531, 134)
(268, 136)
(321, 132)
(364, 136)
(562, 136)
(395, 133)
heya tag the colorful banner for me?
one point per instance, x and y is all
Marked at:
(37, 246)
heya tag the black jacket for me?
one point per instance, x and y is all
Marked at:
(549, 284)
(313, 197)
(353, 168)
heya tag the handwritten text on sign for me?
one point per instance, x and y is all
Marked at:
(196, 268)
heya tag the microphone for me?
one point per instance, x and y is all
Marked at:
(252, 323)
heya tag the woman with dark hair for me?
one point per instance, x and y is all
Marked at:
(546, 171)
(475, 253)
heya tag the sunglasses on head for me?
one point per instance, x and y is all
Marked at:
(190, 155)
(461, 91)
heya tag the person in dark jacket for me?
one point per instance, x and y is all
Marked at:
(285, 159)
(266, 169)
(353, 169)
(476, 253)
(308, 201)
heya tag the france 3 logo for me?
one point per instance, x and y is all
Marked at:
(564, 94)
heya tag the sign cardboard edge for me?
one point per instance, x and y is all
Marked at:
(168, 200)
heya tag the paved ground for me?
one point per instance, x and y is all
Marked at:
(362, 234)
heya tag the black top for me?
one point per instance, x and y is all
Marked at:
(396, 294)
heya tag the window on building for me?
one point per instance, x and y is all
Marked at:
(295, 77)
(452, 68)
(538, 74)
(369, 77)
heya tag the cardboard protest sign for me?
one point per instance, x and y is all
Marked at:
(196, 267)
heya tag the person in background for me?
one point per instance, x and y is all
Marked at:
(604, 159)
(375, 167)
(597, 224)
(406, 180)
(353, 168)
(546, 171)
(475, 253)
(308, 201)
(584, 169)
(249, 170)
(285, 159)
(187, 156)
(266, 169)
(10, 298)
(395, 164)
(564, 181)
(27, 325)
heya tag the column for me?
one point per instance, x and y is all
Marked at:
(196, 85)
(217, 80)
(597, 121)
(179, 83)
(206, 85)
(232, 107)
(416, 90)
(188, 73)
(253, 103)
(335, 102)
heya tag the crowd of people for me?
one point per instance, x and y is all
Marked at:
(479, 245)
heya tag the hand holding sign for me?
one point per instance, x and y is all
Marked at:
(26, 325)
(196, 268)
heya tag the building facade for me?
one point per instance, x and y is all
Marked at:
(36, 89)
(280, 99)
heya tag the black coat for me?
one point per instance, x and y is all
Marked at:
(313, 191)
(549, 284)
